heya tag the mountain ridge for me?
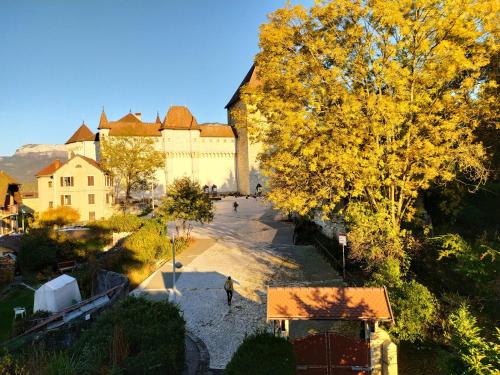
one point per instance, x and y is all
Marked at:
(29, 159)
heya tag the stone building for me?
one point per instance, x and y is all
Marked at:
(248, 176)
(211, 153)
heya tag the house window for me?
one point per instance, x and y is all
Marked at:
(91, 199)
(91, 216)
(50, 184)
(66, 181)
(51, 204)
(90, 180)
(65, 200)
(109, 181)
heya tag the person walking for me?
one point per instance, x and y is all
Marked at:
(229, 288)
(235, 206)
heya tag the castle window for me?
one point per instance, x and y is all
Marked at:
(109, 181)
(90, 180)
(91, 198)
(50, 184)
(51, 204)
(91, 216)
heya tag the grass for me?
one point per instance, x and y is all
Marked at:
(17, 297)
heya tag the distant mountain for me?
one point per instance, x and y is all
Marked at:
(29, 159)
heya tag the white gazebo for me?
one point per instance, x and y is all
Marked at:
(57, 294)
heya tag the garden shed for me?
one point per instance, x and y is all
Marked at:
(57, 294)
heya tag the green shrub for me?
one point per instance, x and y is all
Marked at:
(262, 354)
(61, 363)
(136, 336)
(415, 309)
(474, 354)
(123, 223)
(149, 243)
(38, 249)
(10, 365)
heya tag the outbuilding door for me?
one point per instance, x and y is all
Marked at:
(331, 354)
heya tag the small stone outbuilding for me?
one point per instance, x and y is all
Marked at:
(335, 330)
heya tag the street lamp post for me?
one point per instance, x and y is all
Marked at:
(175, 265)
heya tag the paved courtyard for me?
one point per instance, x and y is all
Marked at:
(254, 247)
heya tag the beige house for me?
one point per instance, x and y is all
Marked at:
(80, 183)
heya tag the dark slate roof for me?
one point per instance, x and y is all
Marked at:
(251, 79)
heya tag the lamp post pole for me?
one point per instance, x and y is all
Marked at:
(173, 267)
(153, 197)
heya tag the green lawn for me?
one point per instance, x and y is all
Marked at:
(17, 297)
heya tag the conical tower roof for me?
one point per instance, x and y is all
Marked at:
(82, 134)
(103, 121)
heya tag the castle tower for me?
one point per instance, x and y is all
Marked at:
(248, 175)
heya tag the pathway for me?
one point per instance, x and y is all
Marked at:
(254, 247)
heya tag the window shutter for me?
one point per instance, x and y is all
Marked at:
(62, 181)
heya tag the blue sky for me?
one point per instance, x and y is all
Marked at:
(61, 61)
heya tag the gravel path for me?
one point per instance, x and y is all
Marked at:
(253, 246)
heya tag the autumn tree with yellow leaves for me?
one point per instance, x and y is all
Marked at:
(369, 103)
(131, 160)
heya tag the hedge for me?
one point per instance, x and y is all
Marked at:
(123, 223)
(149, 243)
(136, 336)
(262, 354)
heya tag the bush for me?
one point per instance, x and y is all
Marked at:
(136, 336)
(123, 223)
(262, 354)
(415, 309)
(149, 243)
(38, 249)
(59, 216)
(474, 354)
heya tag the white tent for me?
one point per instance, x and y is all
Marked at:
(57, 294)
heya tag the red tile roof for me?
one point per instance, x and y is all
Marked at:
(134, 129)
(179, 117)
(82, 134)
(250, 79)
(103, 121)
(56, 164)
(328, 303)
(217, 130)
(50, 169)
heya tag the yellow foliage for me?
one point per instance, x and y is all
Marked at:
(371, 100)
(59, 216)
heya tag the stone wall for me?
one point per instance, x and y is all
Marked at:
(383, 353)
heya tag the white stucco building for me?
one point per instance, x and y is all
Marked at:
(212, 154)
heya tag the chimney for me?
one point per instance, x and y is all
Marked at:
(138, 115)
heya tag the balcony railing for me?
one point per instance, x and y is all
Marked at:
(10, 210)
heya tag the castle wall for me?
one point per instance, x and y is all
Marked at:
(84, 148)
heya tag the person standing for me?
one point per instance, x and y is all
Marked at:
(235, 206)
(229, 288)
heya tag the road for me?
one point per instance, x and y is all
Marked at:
(254, 247)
